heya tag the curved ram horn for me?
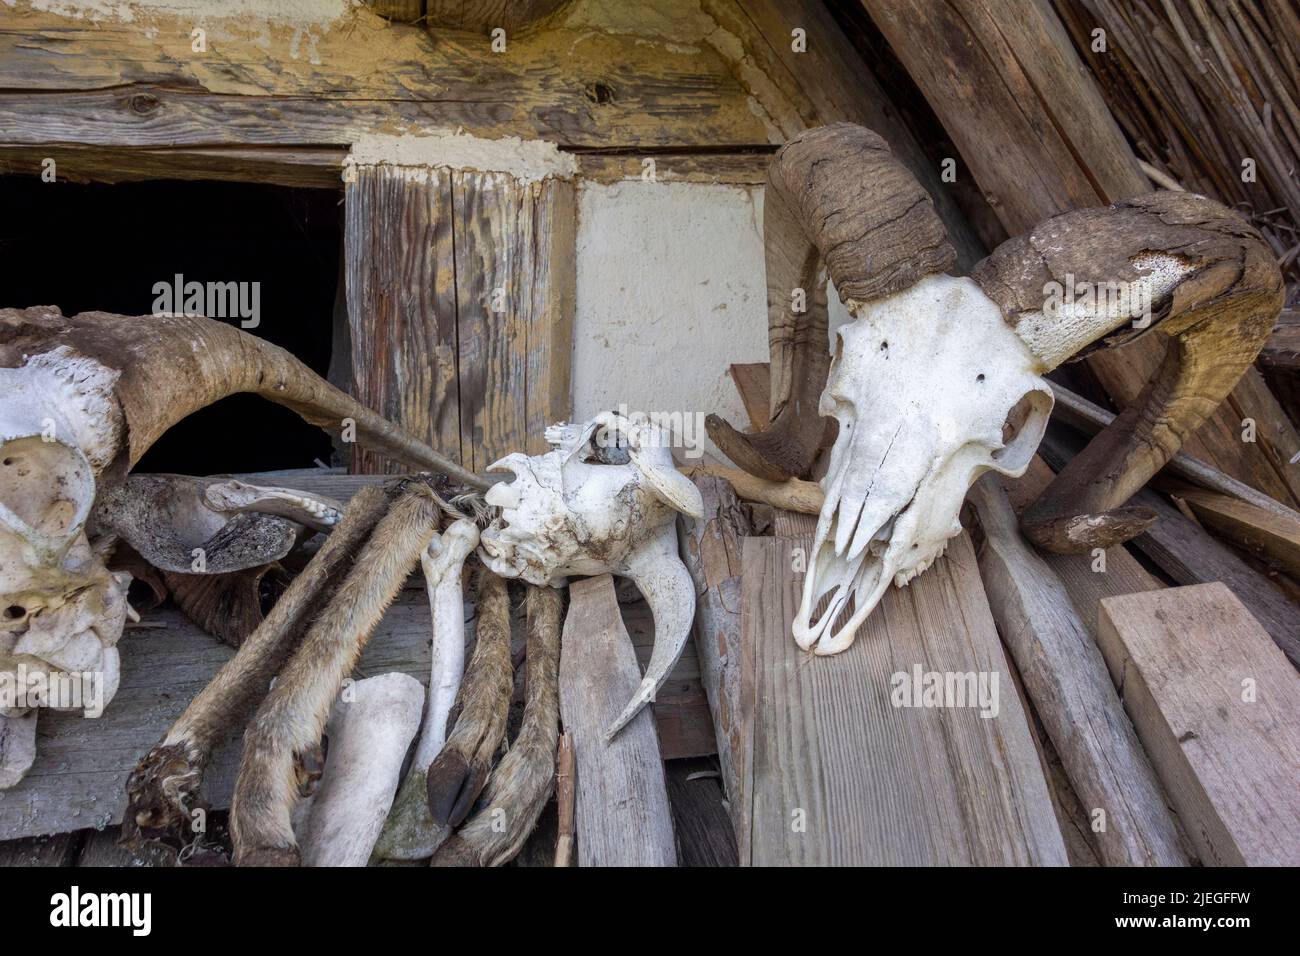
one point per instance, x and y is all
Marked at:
(172, 366)
(1193, 269)
(836, 201)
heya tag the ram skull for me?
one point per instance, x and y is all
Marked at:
(938, 379)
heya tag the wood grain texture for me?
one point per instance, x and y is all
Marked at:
(460, 302)
(1218, 710)
(1086, 579)
(1005, 81)
(577, 87)
(1189, 555)
(1274, 538)
(711, 550)
(81, 765)
(399, 255)
(622, 814)
(827, 82)
(871, 783)
(1066, 678)
(515, 281)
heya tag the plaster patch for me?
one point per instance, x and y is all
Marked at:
(526, 160)
(670, 292)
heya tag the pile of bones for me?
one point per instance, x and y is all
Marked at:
(937, 380)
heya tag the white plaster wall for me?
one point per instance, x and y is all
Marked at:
(670, 293)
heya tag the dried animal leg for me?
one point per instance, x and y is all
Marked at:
(292, 718)
(457, 775)
(162, 790)
(524, 780)
(369, 734)
(411, 833)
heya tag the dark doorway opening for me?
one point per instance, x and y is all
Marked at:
(104, 247)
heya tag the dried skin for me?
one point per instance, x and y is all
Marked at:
(292, 718)
(163, 789)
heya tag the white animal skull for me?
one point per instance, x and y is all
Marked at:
(605, 500)
(921, 385)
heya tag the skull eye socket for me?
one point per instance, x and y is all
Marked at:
(14, 612)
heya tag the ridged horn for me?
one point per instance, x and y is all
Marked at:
(172, 366)
(837, 203)
(1214, 290)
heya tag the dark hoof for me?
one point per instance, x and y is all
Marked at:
(453, 784)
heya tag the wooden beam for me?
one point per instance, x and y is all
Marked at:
(110, 83)
(461, 291)
(1065, 677)
(400, 266)
(825, 81)
(1218, 710)
(1008, 86)
(318, 167)
(1263, 533)
(515, 288)
(842, 776)
(622, 814)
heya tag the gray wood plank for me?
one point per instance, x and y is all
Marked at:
(623, 816)
(841, 776)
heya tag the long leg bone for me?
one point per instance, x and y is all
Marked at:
(369, 735)
(523, 782)
(411, 833)
(291, 719)
(162, 789)
(458, 773)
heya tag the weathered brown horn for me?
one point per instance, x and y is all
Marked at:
(172, 366)
(836, 202)
(1221, 294)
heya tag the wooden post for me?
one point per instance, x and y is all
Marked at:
(622, 815)
(1218, 709)
(460, 288)
(841, 775)
(711, 550)
(1065, 678)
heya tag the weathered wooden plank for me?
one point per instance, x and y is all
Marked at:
(81, 765)
(826, 81)
(1008, 86)
(108, 82)
(711, 550)
(753, 382)
(842, 776)
(1218, 710)
(1264, 533)
(515, 301)
(622, 815)
(1088, 578)
(400, 263)
(318, 167)
(1066, 678)
(1189, 555)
